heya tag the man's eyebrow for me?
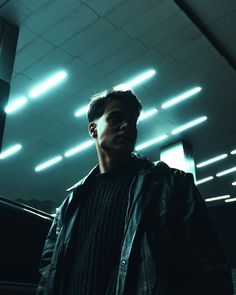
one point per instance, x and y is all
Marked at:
(116, 112)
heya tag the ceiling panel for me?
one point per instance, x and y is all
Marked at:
(31, 53)
(101, 44)
(85, 39)
(50, 13)
(70, 25)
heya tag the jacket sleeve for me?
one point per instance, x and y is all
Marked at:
(208, 272)
(49, 249)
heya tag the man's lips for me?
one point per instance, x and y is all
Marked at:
(124, 136)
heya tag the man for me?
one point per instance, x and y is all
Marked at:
(131, 226)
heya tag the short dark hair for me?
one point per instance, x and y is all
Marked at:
(99, 103)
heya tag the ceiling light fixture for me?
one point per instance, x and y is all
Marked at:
(200, 181)
(136, 81)
(82, 111)
(217, 198)
(147, 114)
(10, 151)
(150, 142)
(230, 170)
(212, 160)
(85, 109)
(48, 163)
(233, 152)
(79, 148)
(49, 83)
(181, 97)
(234, 183)
(189, 125)
(10, 108)
(230, 200)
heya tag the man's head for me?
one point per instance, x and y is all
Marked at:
(113, 122)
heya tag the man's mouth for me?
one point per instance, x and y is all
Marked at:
(124, 137)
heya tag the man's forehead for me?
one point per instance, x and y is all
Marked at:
(116, 106)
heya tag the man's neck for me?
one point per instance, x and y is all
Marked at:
(108, 163)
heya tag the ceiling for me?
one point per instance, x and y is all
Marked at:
(100, 44)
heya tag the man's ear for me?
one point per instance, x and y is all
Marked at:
(92, 129)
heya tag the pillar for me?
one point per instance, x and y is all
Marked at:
(179, 155)
(8, 43)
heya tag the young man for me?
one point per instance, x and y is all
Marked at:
(131, 226)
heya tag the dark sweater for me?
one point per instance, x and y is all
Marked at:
(97, 240)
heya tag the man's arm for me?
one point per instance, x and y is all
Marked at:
(51, 245)
(47, 253)
(214, 276)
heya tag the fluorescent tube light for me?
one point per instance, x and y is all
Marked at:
(79, 148)
(150, 142)
(189, 125)
(233, 169)
(233, 152)
(234, 183)
(85, 109)
(82, 111)
(230, 200)
(181, 97)
(49, 83)
(136, 81)
(49, 163)
(212, 160)
(10, 151)
(217, 198)
(204, 180)
(15, 105)
(145, 115)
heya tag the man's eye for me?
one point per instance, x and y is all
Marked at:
(114, 119)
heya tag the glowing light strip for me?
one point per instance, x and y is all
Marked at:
(82, 111)
(147, 114)
(10, 151)
(181, 97)
(49, 163)
(136, 81)
(217, 198)
(212, 160)
(51, 82)
(79, 148)
(189, 125)
(15, 105)
(230, 170)
(233, 152)
(150, 142)
(230, 200)
(204, 180)
(234, 183)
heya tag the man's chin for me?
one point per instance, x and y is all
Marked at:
(124, 150)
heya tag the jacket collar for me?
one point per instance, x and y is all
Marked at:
(143, 164)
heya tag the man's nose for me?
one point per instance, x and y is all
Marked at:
(124, 124)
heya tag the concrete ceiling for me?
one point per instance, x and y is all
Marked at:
(103, 43)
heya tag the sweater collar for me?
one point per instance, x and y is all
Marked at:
(143, 166)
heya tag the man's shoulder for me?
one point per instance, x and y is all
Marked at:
(83, 180)
(75, 185)
(160, 168)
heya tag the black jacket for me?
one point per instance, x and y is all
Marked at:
(169, 247)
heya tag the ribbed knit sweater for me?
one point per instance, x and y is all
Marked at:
(98, 236)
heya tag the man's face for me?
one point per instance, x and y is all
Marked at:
(116, 130)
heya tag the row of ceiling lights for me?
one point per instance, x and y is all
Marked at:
(54, 80)
(226, 198)
(213, 160)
